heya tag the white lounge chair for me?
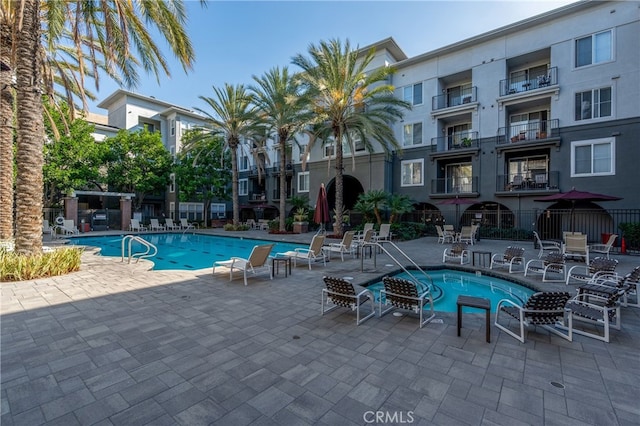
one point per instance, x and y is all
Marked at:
(552, 267)
(311, 254)
(155, 225)
(511, 258)
(341, 293)
(384, 234)
(576, 246)
(258, 261)
(444, 237)
(187, 225)
(546, 245)
(399, 293)
(168, 223)
(457, 252)
(68, 227)
(135, 225)
(604, 248)
(49, 229)
(344, 246)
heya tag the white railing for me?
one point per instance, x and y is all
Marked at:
(149, 249)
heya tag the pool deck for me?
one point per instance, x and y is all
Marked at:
(117, 344)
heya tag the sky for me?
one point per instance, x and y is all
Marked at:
(235, 40)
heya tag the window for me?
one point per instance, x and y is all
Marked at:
(357, 143)
(302, 149)
(191, 211)
(244, 162)
(172, 182)
(218, 211)
(412, 172)
(459, 178)
(413, 94)
(593, 104)
(303, 182)
(593, 49)
(172, 210)
(243, 187)
(412, 134)
(594, 157)
(173, 127)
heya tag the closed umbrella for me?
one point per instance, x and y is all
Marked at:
(321, 215)
(457, 202)
(575, 195)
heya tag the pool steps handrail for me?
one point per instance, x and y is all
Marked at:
(127, 252)
(397, 262)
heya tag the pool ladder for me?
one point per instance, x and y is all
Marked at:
(127, 241)
(381, 247)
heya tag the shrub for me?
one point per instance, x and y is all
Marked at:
(631, 234)
(232, 227)
(20, 267)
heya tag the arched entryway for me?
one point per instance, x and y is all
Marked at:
(586, 217)
(352, 188)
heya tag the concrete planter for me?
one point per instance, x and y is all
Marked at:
(300, 227)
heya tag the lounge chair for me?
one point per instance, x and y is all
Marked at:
(576, 246)
(341, 293)
(345, 246)
(444, 237)
(512, 257)
(257, 262)
(403, 294)
(168, 223)
(603, 248)
(607, 284)
(595, 310)
(467, 234)
(546, 245)
(384, 234)
(49, 229)
(188, 225)
(68, 227)
(359, 236)
(135, 225)
(552, 267)
(457, 252)
(311, 254)
(155, 225)
(545, 309)
(585, 273)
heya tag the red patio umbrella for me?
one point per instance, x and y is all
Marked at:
(457, 202)
(321, 214)
(575, 195)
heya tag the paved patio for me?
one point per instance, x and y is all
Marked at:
(116, 344)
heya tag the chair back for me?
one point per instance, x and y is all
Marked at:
(340, 291)
(602, 264)
(554, 261)
(135, 224)
(260, 254)
(68, 224)
(537, 238)
(367, 226)
(512, 252)
(184, 222)
(169, 222)
(347, 239)
(466, 232)
(447, 228)
(154, 223)
(440, 231)
(368, 236)
(566, 234)
(546, 307)
(576, 243)
(400, 293)
(457, 249)
(316, 244)
(385, 230)
(611, 240)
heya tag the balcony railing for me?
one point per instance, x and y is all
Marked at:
(531, 181)
(454, 186)
(512, 86)
(447, 100)
(257, 197)
(460, 140)
(276, 194)
(537, 130)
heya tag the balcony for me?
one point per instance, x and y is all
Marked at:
(530, 132)
(454, 186)
(446, 100)
(513, 86)
(457, 141)
(276, 194)
(527, 183)
(275, 169)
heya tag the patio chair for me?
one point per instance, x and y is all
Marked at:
(366, 241)
(576, 246)
(606, 284)
(595, 310)
(552, 264)
(155, 225)
(604, 248)
(311, 254)
(135, 225)
(358, 236)
(168, 223)
(512, 257)
(544, 309)
(546, 245)
(49, 229)
(444, 237)
(68, 227)
(257, 262)
(467, 234)
(345, 246)
(586, 273)
(341, 293)
(188, 225)
(399, 293)
(457, 252)
(384, 234)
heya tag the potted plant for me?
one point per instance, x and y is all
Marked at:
(466, 142)
(300, 221)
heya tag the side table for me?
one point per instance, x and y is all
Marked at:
(475, 302)
(483, 258)
(280, 259)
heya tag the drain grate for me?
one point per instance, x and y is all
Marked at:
(557, 385)
(296, 337)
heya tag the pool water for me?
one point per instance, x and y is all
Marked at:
(449, 284)
(184, 251)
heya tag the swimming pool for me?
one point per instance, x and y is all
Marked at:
(184, 251)
(451, 283)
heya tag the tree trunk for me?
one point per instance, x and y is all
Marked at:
(283, 182)
(6, 135)
(30, 120)
(339, 183)
(234, 182)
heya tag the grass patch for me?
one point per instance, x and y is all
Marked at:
(19, 267)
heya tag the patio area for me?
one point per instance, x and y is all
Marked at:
(117, 344)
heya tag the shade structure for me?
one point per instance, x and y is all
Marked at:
(321, 214)
(457, 202)
(575, 195)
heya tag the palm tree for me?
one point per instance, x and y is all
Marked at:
(283, 107)
(113, 34)
(399, 204)
(234, 116)
(350, 100)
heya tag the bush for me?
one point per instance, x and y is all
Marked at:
(631, 234)
(20, 267)
(404, 231)
(232, 227)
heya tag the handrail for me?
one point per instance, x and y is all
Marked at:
(130, 239)
(383, 249)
